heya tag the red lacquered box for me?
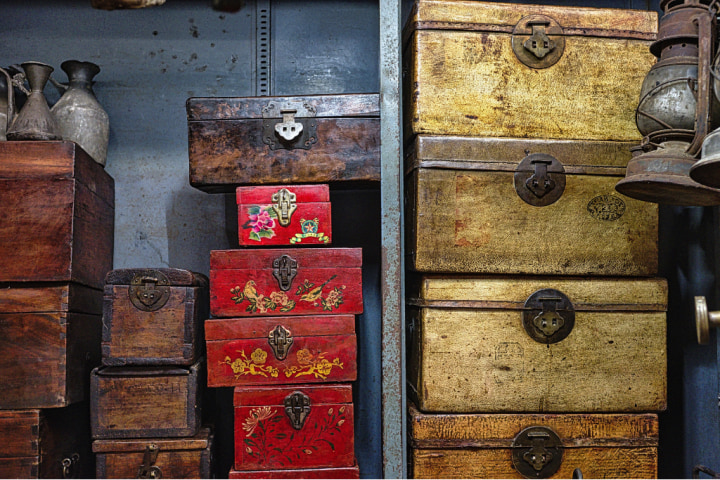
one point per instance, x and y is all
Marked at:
(284, 215)
(342, 472)
(294, 427)
(272, 282)
(281, 350)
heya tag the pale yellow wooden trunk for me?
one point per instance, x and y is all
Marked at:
(469, 351)
(465, 216)
(479, 446)
(464, 78)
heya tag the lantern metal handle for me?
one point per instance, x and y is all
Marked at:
(704, 320)
(702, 117)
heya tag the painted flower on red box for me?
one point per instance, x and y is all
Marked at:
(261, 222)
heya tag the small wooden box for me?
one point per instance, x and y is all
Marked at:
(146, 402)
(537, 344)
(58, 214)
(490, 446)
(49, 443)
(284, 215)
(340, 472)
(50, 337)
(281, 350)
(189, 457)
(301, 281)
(471, 209)
(239, 140)
(471, 70)
(154, 317)
(294, 427)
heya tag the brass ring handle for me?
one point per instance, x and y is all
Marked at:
(704, 320)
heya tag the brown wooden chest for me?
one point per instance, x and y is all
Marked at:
(49, 443)
(266, 140)
(154, 317)
(146, 402)
(537, 344)
(533, 71)
(190, 457)
(58, 214)
(532, 445)
(519, 206)
(50, 336)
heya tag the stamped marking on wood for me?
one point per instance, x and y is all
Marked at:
(606, 207)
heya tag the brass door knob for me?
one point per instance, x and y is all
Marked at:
(704, 320)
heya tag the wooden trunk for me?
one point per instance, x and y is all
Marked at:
(494, 344)
(484, 445)
(340, 472)
(234, 141)
(51, 443)
(301, 281)
(58, 214)
(284, 215)
(154, 317)
(294, 427)
(466, 213)
(281, 350)
(50, 336)
(146, 402)
(464, 77)
(190, 457)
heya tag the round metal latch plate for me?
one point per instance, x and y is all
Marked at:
(538, 41)
(539, 179)
(537, 452)
(548, 316)
(149, 290)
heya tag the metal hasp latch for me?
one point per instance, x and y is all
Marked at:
(538, 41)
(280, 340)
(289, 125)
(70, 466)
(149, 290)
(297, 408)
(284, 205)
(548, 316)
(284, 270)
(148, 469)
(537, 452)
(539, 179)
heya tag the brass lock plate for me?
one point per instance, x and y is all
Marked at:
(539, 179)
(284, 270)
(280, 340)
(284, 204)
(149, 290)
(548, 316)
(537, 452)
(148, 469)
(289, 125)
(538, 41)
(297, 409)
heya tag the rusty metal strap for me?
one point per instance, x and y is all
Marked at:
(510, 305)
(512, 166)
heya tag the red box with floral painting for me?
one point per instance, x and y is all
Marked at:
(293, 427)
(293, 281)
(281, 350)
(284, 215)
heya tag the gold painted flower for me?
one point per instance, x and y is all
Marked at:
(324, 367)
(257, 415)
(279, 298)
(304, 356)
(259, 356)
(333, 297)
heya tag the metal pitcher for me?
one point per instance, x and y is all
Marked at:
(34, 120)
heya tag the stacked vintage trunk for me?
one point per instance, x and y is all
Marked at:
(56, 232)
(146, 398)
(283, 326)
(536, 325)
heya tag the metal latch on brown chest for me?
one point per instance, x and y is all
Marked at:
(149, 290)
(537, 452)
(297, 408)
(548, 316)
(284, 270)
(289, 125)
(538, 41)
(280, 340)
(539, 179)
(148, 469)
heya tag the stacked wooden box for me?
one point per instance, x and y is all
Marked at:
(536, 324)
(56, 235)
(146, 398)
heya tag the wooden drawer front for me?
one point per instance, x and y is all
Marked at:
(168, 332)
(465, 79)
(144, 402)
(341, 472)
(327, 281)
(176, 457)
(481, 446)
(477, 356)
(265, 438)
(243, 352)
(226, 143)
(261, 220)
